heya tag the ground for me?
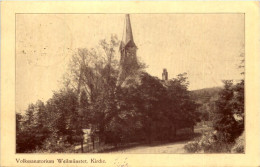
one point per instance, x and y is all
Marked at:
(177, 148)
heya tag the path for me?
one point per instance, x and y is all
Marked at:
(177, 147)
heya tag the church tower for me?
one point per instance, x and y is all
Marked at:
(165, 74)
(128, 60)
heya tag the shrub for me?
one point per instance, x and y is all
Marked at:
(192, 147)
(55, 145)
(208, 143)
(239, 145)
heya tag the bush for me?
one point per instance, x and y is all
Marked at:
(192, 147)
(239, 145)
(208, 143)
(54, 145)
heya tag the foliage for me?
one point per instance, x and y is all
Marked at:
(31, 128)
(57, 118)
(239, 146)
(192, 147)
(208, 143)
(229, 118)
(228, 123)
(148, 109)
(206, 98)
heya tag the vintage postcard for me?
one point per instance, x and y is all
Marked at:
(129, 84)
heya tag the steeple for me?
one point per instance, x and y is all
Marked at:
(128, 60)
(127, 38)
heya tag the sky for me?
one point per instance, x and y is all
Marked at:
(206, 46)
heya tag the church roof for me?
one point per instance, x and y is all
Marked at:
(127, 39)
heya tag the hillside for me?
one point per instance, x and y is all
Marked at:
(206, 98)
(205, 95)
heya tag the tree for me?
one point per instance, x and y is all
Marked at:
(181, 108)
(228, 104)
(27, 139)
(157, 107)
(152, 94)
(146, 108)
(93, 73)
(62, 112)
(31, 128)
(229, 117)
(239, 103)
(19, 143)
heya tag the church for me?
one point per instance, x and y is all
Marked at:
(128, 61)
(131, 74)
(130, 71)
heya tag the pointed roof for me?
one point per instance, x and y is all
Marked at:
(127, 38)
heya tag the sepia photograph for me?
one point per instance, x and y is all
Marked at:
(130, 83)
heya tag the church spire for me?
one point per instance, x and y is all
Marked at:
(127, 38)
(128, 60)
